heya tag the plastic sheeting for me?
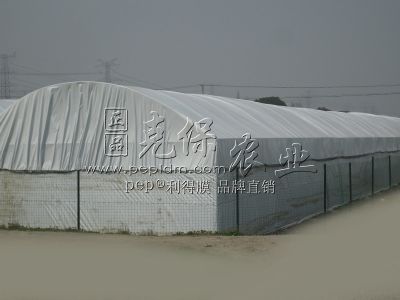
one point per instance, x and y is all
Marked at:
(61, 128)
(38, 200)
(50, 134)
(50, 200)
(5, 104)
(106, 207)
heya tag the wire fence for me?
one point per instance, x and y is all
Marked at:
(299, 196)
(101, 202)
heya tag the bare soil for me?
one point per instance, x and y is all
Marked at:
(350, 253)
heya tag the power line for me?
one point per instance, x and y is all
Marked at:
(109, 68)
(184, 87)
(136, 80)
(25, 67)
(285, 86)
(130, 82)
(31, 85)
(37, 72)
(125, 82)
(342, 95)
(55, 74)
(307, 87)
(28, 81)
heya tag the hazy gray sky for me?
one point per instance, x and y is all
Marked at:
(174, 43)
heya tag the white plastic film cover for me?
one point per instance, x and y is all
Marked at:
(5, 104)
(63, 127)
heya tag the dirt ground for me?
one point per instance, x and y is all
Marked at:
(351, 253)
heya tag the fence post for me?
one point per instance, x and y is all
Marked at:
(390, 172)
(78, 200)
(350, 184)
(237, 203)
(325, 191)
(372, 174)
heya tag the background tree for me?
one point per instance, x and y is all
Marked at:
(271, 100)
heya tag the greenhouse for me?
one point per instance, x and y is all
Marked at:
(102, 157)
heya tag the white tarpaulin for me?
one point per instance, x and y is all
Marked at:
(49, 136)
(63, 127)
(5, 104)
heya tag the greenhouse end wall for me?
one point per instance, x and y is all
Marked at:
(101, 203)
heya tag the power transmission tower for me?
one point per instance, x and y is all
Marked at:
(107, 65)
(5, 83)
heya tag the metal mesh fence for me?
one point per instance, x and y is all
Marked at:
(223, 202)
(301, 195)
(395, 168)
(176, 203)
(361, 174)
(381, 172)
(337, 183)
(295, 197)
(38, 200)
(227, 211)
